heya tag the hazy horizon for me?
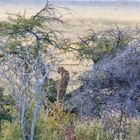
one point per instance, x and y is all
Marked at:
(42, 2)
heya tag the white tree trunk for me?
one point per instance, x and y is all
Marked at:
(35, 115)
(22, 124)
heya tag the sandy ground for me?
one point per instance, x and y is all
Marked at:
(4, 10)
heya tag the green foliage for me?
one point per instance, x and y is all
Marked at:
(53, 124)
(53, 127)
(10, 131)
(18, 25)
(43, 131)
(96, 45)
(92, 131)
(6, 105)
(50, 87)
(19, 31)
(58, 119)
(1, 93)
(28, 118)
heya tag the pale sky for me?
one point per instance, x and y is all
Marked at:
(42, 2)
(91, 0)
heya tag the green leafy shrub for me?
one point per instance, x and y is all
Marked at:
(53, 126)
(96, 45)
(6, 104)
(91, 131)
(58, 119)
(43, 131)
(50, 87)
(10, 131)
